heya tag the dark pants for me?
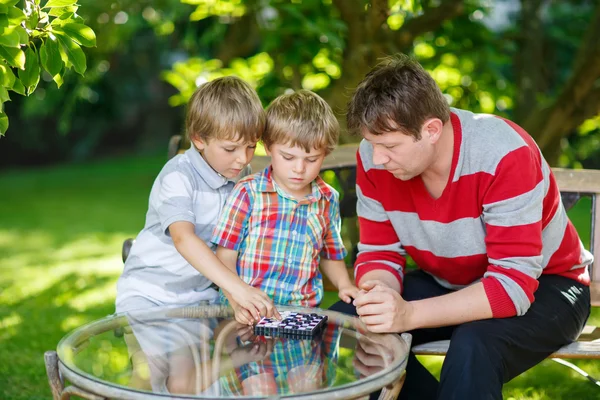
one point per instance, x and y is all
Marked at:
(483, 355)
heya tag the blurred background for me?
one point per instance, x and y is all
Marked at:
(77, 161)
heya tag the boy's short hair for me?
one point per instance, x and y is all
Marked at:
(302, 119)
(397, 95)
(226, 108)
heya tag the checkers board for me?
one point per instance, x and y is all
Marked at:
(292, 325)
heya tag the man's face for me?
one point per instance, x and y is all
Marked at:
(400, 154)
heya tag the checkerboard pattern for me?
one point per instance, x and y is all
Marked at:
(292, 325)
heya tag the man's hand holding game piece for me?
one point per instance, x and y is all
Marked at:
(347, 293)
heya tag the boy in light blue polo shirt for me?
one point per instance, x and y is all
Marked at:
(172, 261)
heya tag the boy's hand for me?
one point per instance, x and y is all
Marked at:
(347, 293)
(255, 302)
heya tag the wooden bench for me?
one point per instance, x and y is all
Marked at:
(573, 185)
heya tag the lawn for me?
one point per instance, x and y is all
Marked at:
(61, 231)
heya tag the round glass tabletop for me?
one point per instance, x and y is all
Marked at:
(201, 352)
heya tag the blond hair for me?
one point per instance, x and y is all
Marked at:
(302, 119)
(226, 108)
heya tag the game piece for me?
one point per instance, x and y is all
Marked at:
(292, 325)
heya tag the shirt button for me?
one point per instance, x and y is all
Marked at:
(293, 233)
(282, 285)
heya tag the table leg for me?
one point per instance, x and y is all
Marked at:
(391, 392)
(54, 379)
(75, 391)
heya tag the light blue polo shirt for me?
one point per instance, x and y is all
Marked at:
(187, 189)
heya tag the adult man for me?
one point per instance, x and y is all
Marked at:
(470, 198)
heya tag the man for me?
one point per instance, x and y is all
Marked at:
(470, 198)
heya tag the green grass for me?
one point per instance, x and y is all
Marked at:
(61, 231)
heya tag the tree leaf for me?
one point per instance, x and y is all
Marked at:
(4, 97)
(3, 124)
(73, 53)
(10, 38)
(30, 76)
(15, 16)
(3, 9)
(7, 78)
(9, 3)
(59, 11)
(59, 3)
(23, 36)
(18, 87)
(58, 79)
(32, 20)
(80, 33)
(50, 56)
(13, 56)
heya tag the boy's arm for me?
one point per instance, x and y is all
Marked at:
(335, 271)
(201, 257)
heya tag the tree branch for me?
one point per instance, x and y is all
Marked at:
(579, 92)
(378, 13)
(427, 22)
(352, 14)
(241, 40)
(528, 60)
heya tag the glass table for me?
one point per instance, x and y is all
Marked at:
(202, 352)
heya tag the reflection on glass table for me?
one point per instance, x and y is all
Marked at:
(201, 352)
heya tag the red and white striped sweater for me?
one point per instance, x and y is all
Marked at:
(500, 219)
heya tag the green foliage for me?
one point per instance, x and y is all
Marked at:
(35, 37)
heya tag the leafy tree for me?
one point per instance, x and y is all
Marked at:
(36, 39)
(540, 71)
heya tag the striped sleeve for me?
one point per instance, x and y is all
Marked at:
(232, 227)
(379, 247)
(512, 213)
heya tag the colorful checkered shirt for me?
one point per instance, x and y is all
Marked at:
(279, 239)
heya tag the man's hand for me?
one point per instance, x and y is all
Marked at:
(250, 304)
(347, 293)
(382, 309)
(371, 357)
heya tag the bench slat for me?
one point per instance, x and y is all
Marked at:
(574, 350)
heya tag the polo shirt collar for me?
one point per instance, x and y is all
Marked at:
(318, 186)
(210, 176)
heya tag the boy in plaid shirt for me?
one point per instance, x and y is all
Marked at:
(278, 224)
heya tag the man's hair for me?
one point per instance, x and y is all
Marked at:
(226, 108)
(397, 95)
(302, 119)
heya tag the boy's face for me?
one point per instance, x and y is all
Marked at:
(227, 157)
(294, 169)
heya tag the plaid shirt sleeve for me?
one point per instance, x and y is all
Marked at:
(333, 246)
(232, 227)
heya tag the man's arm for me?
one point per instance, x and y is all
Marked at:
(382, 308)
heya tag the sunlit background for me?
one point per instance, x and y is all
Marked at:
(77, 161)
